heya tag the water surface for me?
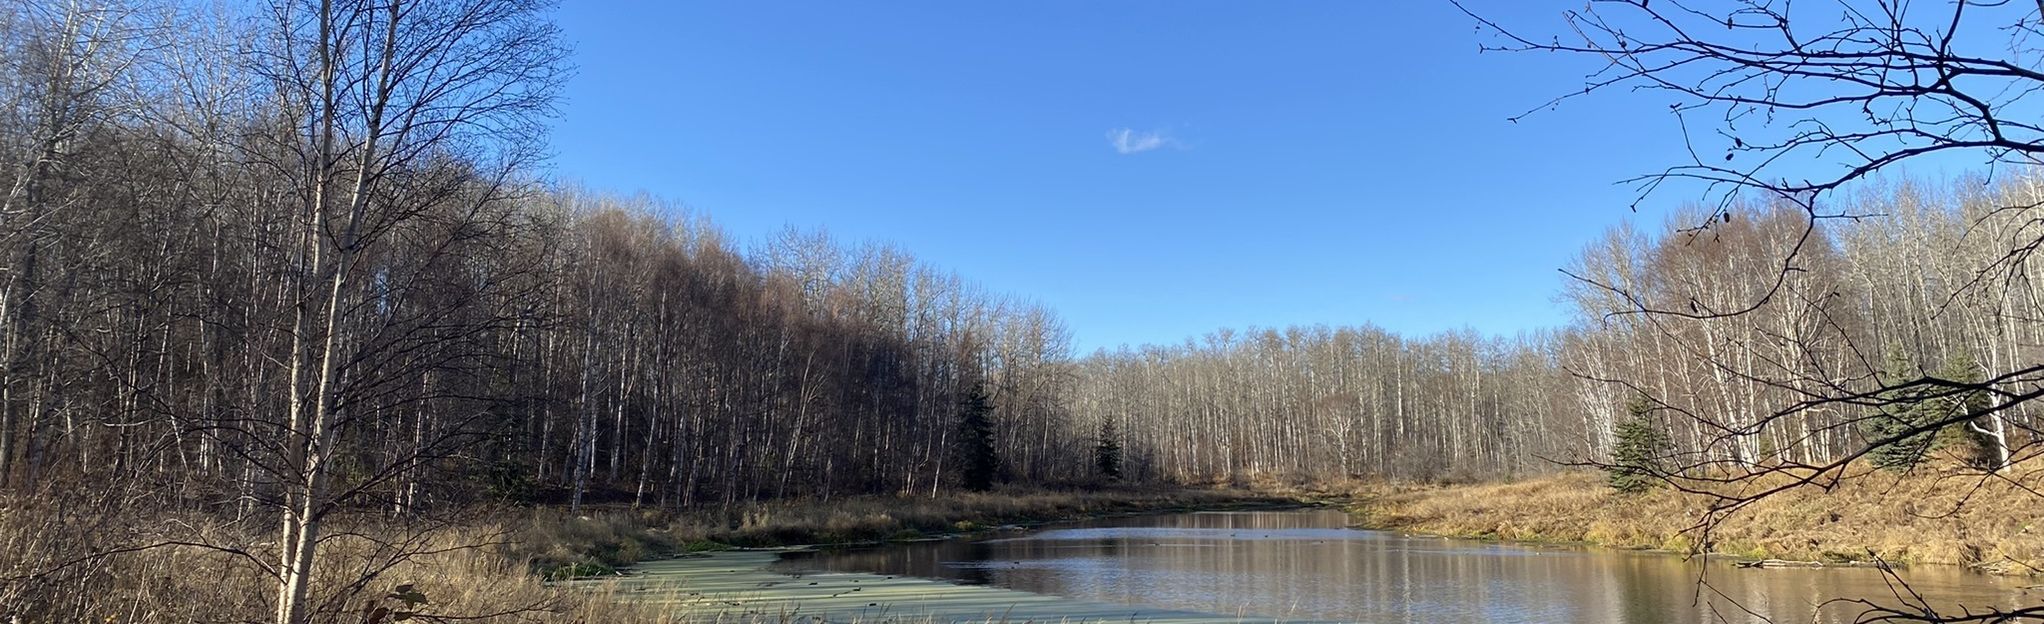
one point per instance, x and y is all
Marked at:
(1306, 565)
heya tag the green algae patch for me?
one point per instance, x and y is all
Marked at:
(739, 586)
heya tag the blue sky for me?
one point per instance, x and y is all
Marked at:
(1151, 170)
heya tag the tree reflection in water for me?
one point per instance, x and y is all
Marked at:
(1306, 565)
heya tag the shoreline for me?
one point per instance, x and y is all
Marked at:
(693, 586)
(1855, 527)
(1558, 510)
(599, 543)
(742, 585)
(1736, 559)
(739, 586)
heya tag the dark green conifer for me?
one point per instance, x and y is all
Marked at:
(1639, 449)
(976, 441)
(1107, 453)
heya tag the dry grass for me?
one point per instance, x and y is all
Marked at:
(481, 566)
(179, 584)
(57, 566)
(1920, 518)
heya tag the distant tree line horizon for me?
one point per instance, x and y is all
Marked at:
(1925, 272)
(182, 290)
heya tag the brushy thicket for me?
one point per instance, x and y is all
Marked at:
(486, 563)
(1949, 517)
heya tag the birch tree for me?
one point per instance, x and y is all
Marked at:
(377, 95)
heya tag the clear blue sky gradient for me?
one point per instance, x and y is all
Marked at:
(1330, 163)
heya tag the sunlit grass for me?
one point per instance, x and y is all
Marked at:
(1926, 517)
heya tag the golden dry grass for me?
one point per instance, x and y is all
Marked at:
(1923, 518)
(463, 574)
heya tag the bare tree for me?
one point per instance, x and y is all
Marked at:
(377, 95)
(1794, 108)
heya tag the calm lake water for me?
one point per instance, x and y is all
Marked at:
(1306, 565)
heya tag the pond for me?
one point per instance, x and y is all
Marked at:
(1306, 565)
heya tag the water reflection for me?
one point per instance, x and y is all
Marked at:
(1303, 565)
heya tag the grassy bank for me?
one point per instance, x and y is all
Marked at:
(192, 569)
(1910, 519)
(486, 564)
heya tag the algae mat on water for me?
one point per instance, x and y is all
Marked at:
(737, 586)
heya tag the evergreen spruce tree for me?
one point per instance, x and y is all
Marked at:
(1969, 444)
(976, 441)
(1107, 453)
(1907, 409)
(1901, 411)
(1637, 452)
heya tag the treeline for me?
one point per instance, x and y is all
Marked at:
(682, 372)
(274, 281)
(1771, 337)
(1743, 338)
(1332, 403)
(283, 283)
(187, 280)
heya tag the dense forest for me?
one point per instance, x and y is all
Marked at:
(171, 302)
(225, 278)
(1925, 285)
(308, 263)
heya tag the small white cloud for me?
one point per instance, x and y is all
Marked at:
(1130, 141)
